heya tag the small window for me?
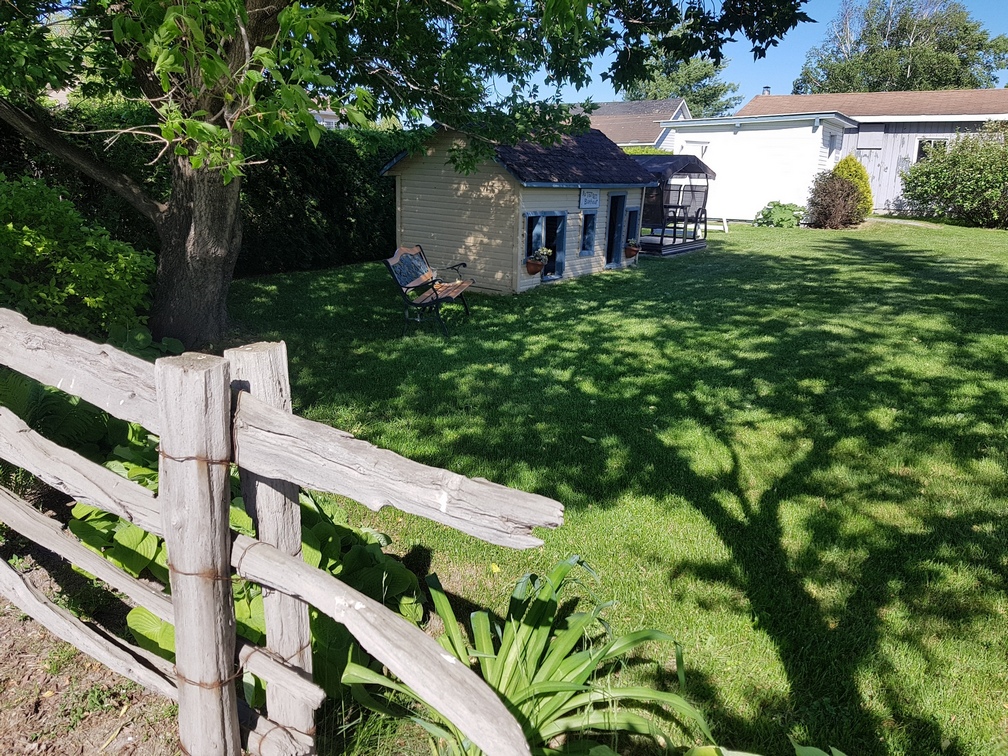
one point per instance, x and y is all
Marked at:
(833, 144)
(926, 146)
(547, 229)
(588, 235)
(633, 223)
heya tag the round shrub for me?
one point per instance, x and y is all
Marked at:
(965, 183)
(833, 202)
(780, 215)
(57, 270)
(851, 169)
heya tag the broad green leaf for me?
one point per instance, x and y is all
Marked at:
(95, 539)
(310, 549)
(134, 549)
(254, 690)
(151, 633)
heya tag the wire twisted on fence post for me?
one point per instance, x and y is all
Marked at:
(194, 403)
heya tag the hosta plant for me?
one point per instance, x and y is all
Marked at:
(330, 543)
(550, 671)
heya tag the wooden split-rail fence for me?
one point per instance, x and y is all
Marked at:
(211, 412)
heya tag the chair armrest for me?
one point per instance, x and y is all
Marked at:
(456, 267)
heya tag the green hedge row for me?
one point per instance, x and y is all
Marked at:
(304, 207)
(319, 207)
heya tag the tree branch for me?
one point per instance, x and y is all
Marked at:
(126, 187)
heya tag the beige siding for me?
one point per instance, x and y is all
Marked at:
(542, 199)
(480, 219)
(459, 218)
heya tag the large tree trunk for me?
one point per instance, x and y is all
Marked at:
(200, 240)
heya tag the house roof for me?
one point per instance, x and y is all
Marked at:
(665, 167)
(587, 159)
(637, 121)
(978, 103)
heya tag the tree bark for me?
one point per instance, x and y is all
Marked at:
(200, 240)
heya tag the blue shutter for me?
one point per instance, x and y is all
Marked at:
(561, 246)
(537, 233)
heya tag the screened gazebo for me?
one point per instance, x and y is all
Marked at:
(674, 216)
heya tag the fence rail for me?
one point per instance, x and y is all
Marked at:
(203, 429)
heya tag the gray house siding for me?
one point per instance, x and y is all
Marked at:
(886, 154)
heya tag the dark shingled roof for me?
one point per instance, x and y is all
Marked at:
(590, 159)
(665, 167)
(864, 105)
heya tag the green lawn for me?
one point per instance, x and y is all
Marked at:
(789, 451)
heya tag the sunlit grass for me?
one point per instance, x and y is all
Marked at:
(789, 451)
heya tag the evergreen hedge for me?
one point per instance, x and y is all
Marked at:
(851, 169)
(304, 207)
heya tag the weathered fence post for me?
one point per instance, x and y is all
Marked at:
(194, 405)
(261, 369)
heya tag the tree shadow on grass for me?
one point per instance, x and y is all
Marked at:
(834, 413)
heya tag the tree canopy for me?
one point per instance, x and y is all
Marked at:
(901, 45)
(697, 80)
(218, 74)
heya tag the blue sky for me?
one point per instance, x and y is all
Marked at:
(782, 64)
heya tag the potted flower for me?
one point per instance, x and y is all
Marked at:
(536, 261)
(631, 248)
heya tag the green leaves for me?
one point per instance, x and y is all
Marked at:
(903, 45)
(964, 182)
(58, 270)
(543, 666)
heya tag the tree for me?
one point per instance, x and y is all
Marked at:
(221, 75)
(900, 45)
(698, 81)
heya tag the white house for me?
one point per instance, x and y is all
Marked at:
(772, 148)
(760, 158)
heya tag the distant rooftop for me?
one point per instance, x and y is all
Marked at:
(862, 105)
(636, 121)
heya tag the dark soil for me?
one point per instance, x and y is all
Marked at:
(56, 700)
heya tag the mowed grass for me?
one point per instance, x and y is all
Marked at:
(790, 451)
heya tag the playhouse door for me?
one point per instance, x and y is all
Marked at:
(614, 232)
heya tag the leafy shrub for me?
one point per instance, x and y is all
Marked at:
(833, 202)
(65, 420)
(57, 270)
(551, 674)
(303, 207)
(851, 169)
(86, 123)
(780, 215)
(964, 183)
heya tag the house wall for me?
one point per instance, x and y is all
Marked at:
(479, 219)
(895, 153)
(758, 163)
(459, 218)
(545, 199)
